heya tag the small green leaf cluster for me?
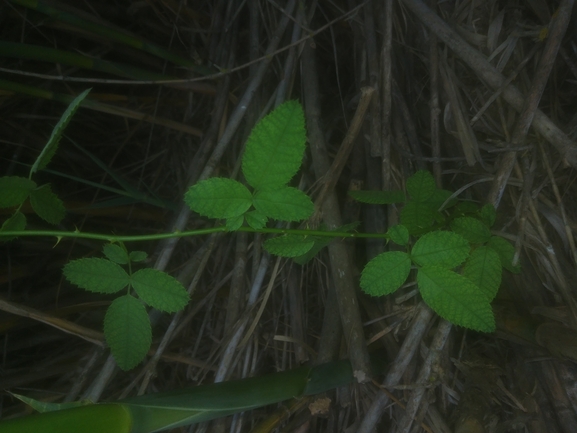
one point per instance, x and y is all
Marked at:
(459, 262)
(126, 324)
(14, 190)
(273, 155)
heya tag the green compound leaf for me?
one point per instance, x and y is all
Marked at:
(256, 219)
(421, 185)
(506, 252)
(483, 268)
(488, 214)
(127, 331)
(399, 234)
(159, 290)
(47, 204)
(385, 273)
(16, 222)
(471, 229)
(96, 275)
(417, 217)
(442, 248)
(275, 147)
(219, 198)
(14, 190)
(378, 197)
(138, 256)
(52, 144)
(285, 204)
(116, 253)
(289, 245)
(455, 298)
(234, 223)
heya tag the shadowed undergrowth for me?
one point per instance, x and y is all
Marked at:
(176, 90)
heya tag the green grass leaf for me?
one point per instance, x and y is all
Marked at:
(471, 229)
(399, 234)
(45, 407)
(52, 144)
(385, 273)
(159, 290)
(455, 298)
(442, 248)
(47, 204)
(506, 252)
(116, 253)
(127, 331)
(16, 222)
(14, 190)
(256, 219)
(275, 148)
(421, 185)
(87, 418)
(219, 198)
(96, 275)
(378, 197)
(483, 268)
(289, 245)
(285, 204)
(127, 192)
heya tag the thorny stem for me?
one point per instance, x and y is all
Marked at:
(181, 234)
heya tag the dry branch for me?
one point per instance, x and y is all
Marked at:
(487, 73)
